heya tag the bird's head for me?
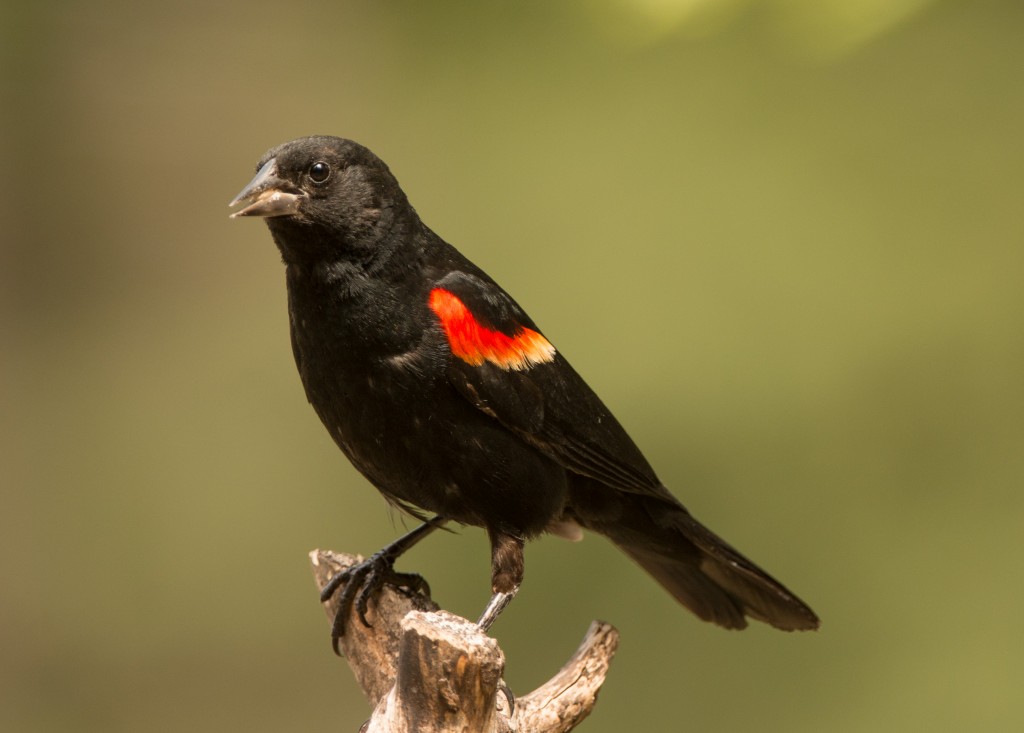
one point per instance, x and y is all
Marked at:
(324, 196)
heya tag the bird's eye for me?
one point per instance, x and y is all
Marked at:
(319, 172)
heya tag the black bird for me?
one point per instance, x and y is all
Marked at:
(451, 401)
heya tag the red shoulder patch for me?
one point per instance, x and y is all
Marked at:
(474, 343)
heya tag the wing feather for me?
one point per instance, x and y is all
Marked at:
(541, 399)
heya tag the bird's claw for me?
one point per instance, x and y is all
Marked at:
(361, 582)
(409, 585)
(509, 697)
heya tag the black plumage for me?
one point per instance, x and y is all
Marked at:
(449, 399)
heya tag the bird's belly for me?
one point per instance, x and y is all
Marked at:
(423, 444)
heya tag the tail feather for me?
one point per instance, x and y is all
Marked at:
(693, 589)
(703, 572)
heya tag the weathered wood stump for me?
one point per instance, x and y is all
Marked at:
(425, 670)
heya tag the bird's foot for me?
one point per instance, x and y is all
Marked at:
(363, 581)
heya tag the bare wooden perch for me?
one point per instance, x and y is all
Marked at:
(428, 671)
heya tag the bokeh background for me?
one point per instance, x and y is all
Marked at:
(781, 238)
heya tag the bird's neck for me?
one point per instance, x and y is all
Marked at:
(342, 273)
(311, 247)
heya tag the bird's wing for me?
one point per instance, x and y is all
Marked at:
(506, 367)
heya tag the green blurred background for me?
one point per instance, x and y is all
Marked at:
(781, 238)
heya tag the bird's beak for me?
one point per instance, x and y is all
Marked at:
(267, 195)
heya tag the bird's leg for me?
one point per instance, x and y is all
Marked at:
(362, 581)
(506, 575)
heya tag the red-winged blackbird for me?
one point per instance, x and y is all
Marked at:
(449, 399)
